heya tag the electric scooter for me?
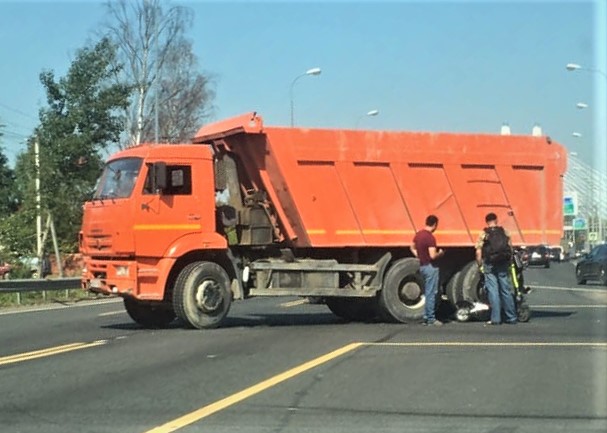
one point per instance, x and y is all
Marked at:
(481, 310)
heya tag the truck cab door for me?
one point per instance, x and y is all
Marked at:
(164, 215)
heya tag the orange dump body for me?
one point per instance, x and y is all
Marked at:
(336, 188)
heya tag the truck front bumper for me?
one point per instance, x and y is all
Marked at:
(117, 277)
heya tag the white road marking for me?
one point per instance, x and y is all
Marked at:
(53, 307)
(294, 303)
(569, 289)
(111, 313)
(569, 306)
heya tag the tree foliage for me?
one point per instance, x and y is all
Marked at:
(160, 64)
(8, 200)
(83, 118)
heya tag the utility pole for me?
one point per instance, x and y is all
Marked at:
(38, 207)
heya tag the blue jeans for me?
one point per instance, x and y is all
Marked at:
(430, 274)
(499, 291)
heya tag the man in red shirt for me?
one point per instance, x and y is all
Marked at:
(424, 248)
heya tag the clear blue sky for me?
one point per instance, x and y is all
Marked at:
(449, 66)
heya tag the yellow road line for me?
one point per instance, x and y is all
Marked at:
(294, 303)
(569, 289)
(489, 344)
(205, 411)
(233, 399)
(27, 356)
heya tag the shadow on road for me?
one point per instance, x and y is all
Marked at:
(537, 314)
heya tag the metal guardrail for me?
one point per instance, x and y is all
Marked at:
(31, 285)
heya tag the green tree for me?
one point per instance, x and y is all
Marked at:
(8, 203)
(82, 119)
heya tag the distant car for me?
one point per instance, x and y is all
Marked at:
(557, 253)
(539, 255)
(32, 264)
(5, 269)
(593, 266)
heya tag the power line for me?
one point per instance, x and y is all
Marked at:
(14, 110)
(12, 134)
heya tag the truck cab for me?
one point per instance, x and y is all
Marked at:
(152, 204)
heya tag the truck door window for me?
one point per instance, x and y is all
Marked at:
(179, 180)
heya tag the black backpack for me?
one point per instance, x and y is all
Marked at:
(496, 249)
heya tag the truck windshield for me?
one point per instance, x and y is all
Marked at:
(118, 178)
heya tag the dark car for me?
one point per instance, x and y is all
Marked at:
(593, 266)
(557, 254)
(539, 255)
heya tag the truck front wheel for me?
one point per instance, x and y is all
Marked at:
(201, 296)
(149, 315)
(402, 297)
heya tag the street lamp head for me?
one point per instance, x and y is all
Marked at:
(313, 71)
(581, 105)
(577, 134)
(373, 113)
(572, 66)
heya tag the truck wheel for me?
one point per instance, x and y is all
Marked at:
(201, 296)
(471, 288)
(402, 296)
(149, 315)
(353, 309)
(452, 285)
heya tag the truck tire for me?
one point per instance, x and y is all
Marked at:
(149, 315)
(471, 288)
(402, 296)
(202, 296)
(352, 309)
(452, 285)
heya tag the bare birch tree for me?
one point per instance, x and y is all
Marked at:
(159, 63)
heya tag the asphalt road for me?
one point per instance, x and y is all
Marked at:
(282, 366)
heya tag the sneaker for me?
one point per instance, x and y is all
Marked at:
(435, 323)
(493, 323)
(513, 322)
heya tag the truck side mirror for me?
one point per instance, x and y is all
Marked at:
(159, 176)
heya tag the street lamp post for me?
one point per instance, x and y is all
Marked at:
(313, 71)
(371, 113)
(576, 67)
(599, 156)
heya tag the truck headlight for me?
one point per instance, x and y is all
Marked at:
(122, 271)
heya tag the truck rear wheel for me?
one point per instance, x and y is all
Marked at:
(452, 286)
(149, 315)
(201, 296)
(470, 286)
(354, 309)
(402, 296)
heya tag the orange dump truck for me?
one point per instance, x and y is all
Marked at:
(247, 210)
